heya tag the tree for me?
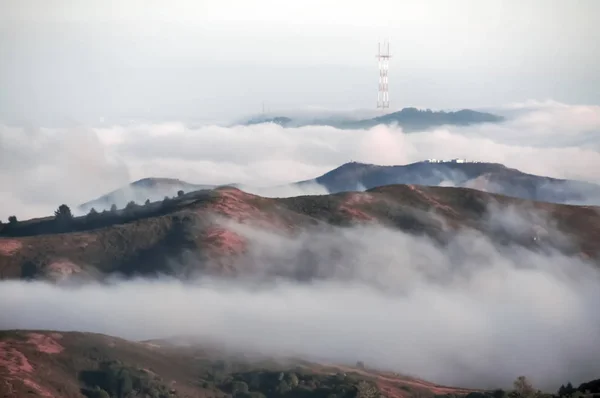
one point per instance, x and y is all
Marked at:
(569, 389)
(239, 387)
(113, 208)
(99, 393)
(125, 383)
(92, 214)
(292, 380)
(367, 390)
(147, 202)
(499, 393)
(63, 212)
(12, 220)
(180, 193)
(130, 206)
(283, 388)
(523, 387)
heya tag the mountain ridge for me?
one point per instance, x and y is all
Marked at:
(410, 119)
(209, 226)
(356, 176)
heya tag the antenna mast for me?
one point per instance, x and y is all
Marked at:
(383, 57)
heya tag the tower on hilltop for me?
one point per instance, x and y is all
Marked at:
(383, 58)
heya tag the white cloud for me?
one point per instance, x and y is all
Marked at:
(46, 167)
(469, 314)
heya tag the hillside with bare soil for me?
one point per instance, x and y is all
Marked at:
(206, 232)
(73, 364)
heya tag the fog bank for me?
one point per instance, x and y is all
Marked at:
(469, 314)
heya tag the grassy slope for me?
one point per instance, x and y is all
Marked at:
(52, 364)
(152, 242)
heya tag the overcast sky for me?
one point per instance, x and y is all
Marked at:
(78, 61)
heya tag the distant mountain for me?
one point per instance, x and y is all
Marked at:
(354, 176)
(141, 190)
(282, 121)
(488, 177)
(415, 119)
(410, 119)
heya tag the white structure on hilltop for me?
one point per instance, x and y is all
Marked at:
(457, 160)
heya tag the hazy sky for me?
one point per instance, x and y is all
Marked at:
(78, 61)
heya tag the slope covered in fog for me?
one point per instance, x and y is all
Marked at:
(216, 232)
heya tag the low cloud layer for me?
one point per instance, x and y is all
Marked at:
(42, 168)
(470, 313)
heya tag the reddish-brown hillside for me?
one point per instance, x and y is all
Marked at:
(65, 365)
(160, 237)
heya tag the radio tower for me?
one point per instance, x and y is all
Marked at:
(383, 56)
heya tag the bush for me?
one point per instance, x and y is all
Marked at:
(98, 393)
(180, 193)
(523, 387)
(239, 387)
(12, 220)
(292, 380)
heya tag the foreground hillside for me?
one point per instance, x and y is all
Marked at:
(64, 365)
(206, 232)
(73, 364)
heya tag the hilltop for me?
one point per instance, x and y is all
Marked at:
(410, 119)
(489, 177)
(162, 237)
(139, 191)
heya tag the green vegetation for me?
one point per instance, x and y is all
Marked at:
(99, 366)
(115, 380)
(522, 388)
(273, 384)
(64, 221)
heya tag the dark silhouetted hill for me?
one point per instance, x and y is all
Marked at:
(410, 119)
(488, 177)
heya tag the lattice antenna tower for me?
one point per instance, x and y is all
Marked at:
(383, 58)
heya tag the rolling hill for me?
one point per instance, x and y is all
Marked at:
(489, 177)
(61, 364)
(139, 191)
(71, 364)
(354, 176)
(203, 232)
